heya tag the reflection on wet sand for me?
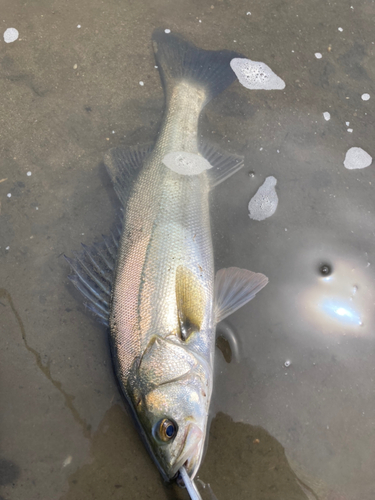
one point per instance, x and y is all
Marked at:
(258, 465)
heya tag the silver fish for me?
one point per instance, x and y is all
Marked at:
(155, 286)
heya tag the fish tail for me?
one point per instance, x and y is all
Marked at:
(179, 60)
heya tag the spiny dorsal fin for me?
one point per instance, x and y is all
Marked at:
(224, 164)
(93, 274)
(123, 165)
(235, 287)
(190, 297)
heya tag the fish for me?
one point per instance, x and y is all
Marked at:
(152, 282)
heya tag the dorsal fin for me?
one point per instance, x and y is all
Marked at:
(123, 165)
(93, 274)
(190, 297)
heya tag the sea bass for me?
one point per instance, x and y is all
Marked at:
(153, 284)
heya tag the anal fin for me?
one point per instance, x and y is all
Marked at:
(224, 164)
(235, 287)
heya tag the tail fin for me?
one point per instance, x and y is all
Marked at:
(181, 60)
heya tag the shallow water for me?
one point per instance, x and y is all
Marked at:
(293, 418)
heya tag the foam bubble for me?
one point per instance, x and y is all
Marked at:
(365, 97)
(357, 158)
(256, 75)
(185, 163)
(318, 55)
(264, 203)
(10, 35)
(327, 116)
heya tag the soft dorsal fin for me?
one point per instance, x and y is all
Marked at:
(224, 164)
(123, 165)
(190, 297)
(234, 287)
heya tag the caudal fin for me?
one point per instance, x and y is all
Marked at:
(178, 59)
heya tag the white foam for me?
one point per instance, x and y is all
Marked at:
(357, 158)
(327, 116)
(365, 97)
(10, 35)
(264, 203)
(256, 75)
(350, 130)
(318, 55)
(185, 163)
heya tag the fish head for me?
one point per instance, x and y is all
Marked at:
(174, 418)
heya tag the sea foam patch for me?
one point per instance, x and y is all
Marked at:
(185, 163)
(357, 158)
(264, 203)
(256, 75)
(10, 35)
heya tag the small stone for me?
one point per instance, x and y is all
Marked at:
(167, 30)
(365, 97)
(318, 55)
(75, 66)
(141, 84)
(9, 195)
(28, 173)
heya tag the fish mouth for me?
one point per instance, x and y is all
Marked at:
(192, 450)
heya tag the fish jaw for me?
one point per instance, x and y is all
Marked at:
(192, 451)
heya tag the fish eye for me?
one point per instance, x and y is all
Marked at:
(166, 429)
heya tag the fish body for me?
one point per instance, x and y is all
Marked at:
(164, 300)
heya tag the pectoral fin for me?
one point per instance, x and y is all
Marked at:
(235, 287)
(190, 297)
